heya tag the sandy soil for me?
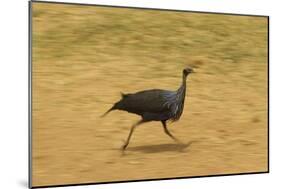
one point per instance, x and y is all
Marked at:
(81, 63)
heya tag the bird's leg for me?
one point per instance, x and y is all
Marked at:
(130, 134)
(168, 133)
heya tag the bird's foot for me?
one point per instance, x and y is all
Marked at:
(124, 146)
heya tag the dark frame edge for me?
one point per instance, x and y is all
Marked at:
(29, 94)
(145, 8)
(268, 93)
(146, 180)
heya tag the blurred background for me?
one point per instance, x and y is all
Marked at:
(84, 56)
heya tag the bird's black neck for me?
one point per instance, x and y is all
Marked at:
(184, 80)
(181, 91)
(183, 85)
(180, 96)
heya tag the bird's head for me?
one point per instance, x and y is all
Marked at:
(187, 71)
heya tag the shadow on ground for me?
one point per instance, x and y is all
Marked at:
(161, 148)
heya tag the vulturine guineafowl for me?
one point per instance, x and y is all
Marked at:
(154, 105)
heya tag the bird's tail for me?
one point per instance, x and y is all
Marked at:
(107, 111)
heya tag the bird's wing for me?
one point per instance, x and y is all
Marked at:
(154, 101)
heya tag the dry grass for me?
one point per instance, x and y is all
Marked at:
(84, 56)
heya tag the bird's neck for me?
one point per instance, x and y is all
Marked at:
(183, 84)
(182, 89)
(184, 80)
(180, 96)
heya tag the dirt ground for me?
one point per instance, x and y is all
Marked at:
(84, 56)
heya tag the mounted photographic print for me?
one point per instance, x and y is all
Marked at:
(121, 94)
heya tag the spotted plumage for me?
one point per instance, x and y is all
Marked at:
(154, 105)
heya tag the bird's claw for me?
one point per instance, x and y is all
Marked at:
(124, 146)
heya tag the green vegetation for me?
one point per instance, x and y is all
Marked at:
(156, 39)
